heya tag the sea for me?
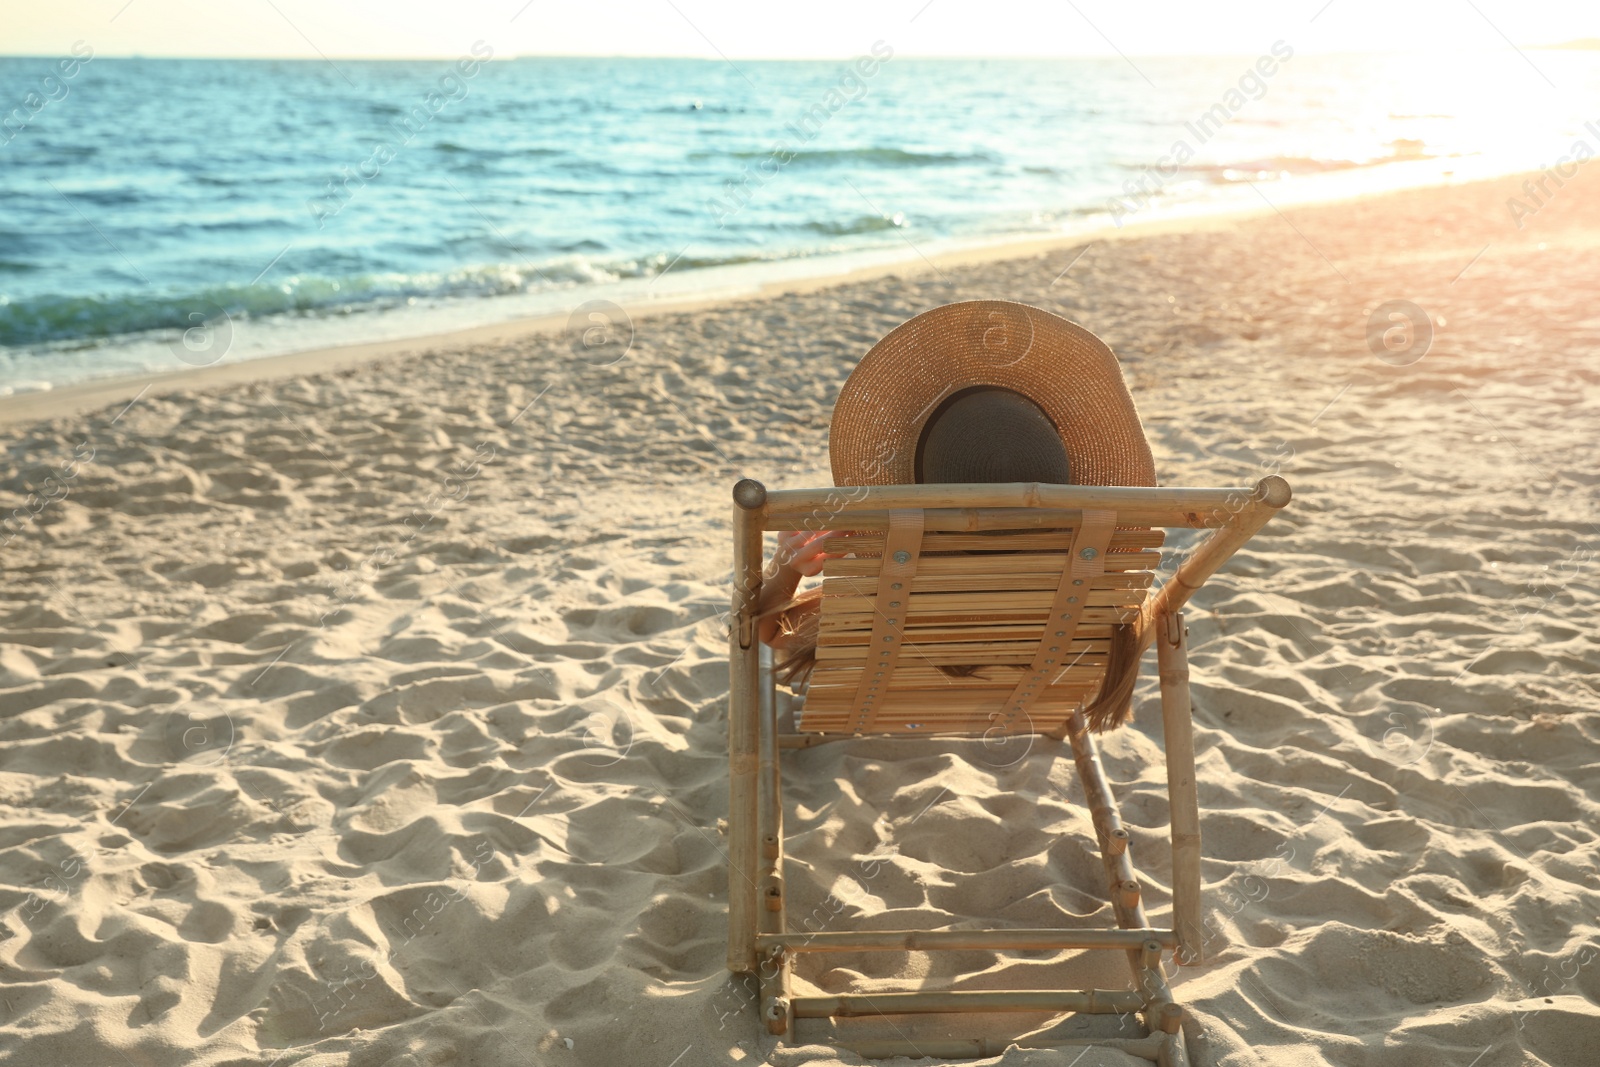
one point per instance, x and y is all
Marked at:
(163, 213)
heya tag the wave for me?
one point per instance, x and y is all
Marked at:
(1245, 170)
(105, 196)
(701, 106)
(450, 148)
(883, 157)
(54, 319)
(859, 224)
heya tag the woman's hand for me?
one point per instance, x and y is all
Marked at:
(802, 551)
(798, 555)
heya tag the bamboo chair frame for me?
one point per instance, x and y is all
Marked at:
(758, 937)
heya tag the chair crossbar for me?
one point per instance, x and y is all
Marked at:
(790, 509)
(1150, 1048)
(1019, 940)
(1086, 1001)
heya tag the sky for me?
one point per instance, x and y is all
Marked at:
(761, 29)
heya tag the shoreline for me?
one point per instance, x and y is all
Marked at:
(77, 397)
(91, 394)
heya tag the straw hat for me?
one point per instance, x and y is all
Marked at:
(971, 379)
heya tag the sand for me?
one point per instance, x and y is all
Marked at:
(372, 713)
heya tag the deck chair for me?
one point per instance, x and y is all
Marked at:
(1028, 578)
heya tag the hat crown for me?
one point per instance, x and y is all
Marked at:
(880, 426)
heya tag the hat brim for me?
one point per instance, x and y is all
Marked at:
(1067, 371)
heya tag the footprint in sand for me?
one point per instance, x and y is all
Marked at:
(626, 621)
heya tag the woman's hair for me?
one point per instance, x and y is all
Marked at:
(1114, 704)
(989, 434)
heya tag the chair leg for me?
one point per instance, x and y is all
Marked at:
(776, 1006)
(742, 865)
(744, 698)
(1174, 1053)
(1123, 883)
(1172, 653)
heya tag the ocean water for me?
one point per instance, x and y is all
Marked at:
(156, 213)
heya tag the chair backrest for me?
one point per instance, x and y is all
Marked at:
(1024, 618)
(984, 609)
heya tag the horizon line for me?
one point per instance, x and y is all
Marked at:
(1583, 44)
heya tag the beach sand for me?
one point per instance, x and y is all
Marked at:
(373, 713)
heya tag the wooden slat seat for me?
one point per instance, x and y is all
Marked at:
(978, 601)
